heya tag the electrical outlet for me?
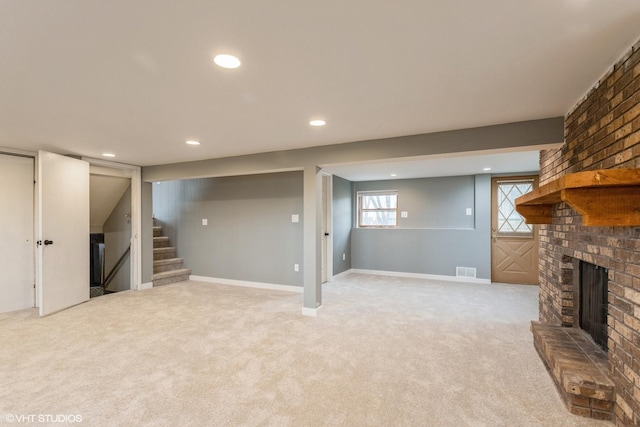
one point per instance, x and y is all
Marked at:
(296, 267)
(344, 256)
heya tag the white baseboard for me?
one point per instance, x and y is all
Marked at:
(259, 285)
(420, 276)
(344, 273)
(312, 312)
(144, 286)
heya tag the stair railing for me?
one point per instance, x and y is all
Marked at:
(115, 268)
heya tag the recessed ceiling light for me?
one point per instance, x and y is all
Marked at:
(226, 61)
(486, 169)
(393, 174)
(191, 142)
(108, 154)
(317, 122)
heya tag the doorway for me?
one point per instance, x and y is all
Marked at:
(110, 226)
(514, 244)
(42, 231)
(62, 274)
(327, 240)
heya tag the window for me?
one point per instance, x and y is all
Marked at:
(377, 209)
(510, 222)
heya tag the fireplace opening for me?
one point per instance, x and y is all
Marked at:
(593, 302)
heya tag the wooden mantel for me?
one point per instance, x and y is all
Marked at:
(603, 197)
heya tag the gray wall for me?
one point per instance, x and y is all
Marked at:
(430, 202)
(147, 232)
(437, 236)
(534, 134)
(249, 235)
(342, 223)
(117, 236)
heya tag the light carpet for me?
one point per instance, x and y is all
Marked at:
(383, 351)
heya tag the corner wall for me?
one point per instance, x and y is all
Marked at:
(601, 132)
(117, 237)
(146, 206)
(342, 224)
(249, 235)
(437, 236)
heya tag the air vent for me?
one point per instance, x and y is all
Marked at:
(466, 272)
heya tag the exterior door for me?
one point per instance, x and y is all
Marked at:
(17, 273)
(62, 232)
(514, 244)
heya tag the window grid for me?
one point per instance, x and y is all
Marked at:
(377, 209)
(510, 222)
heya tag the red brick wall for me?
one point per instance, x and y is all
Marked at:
(601, 132)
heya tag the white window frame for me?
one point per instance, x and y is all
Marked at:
(377, 192)
(502, 233)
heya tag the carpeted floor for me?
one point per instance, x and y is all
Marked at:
(382, 352)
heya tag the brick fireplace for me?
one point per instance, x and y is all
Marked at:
(601, 132)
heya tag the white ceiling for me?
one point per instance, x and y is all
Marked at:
(136, 78)
(441, 165)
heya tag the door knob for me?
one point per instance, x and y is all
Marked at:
(48, 242)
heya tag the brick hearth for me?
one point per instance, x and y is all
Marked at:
(579, 369)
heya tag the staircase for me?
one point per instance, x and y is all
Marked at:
(166, 267)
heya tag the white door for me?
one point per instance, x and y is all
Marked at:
(325, 230)
(63, 232)
(17, 274)
(327, 242)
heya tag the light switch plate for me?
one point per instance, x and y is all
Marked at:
(205, 221)
(469, 211)
(295, 218)
(404, 214)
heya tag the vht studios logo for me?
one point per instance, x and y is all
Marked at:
(43, 418)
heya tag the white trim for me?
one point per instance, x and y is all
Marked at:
(109, 164)
(311, 312)
(329, 225)
(144, 286)
(9, 151)
(37, 223)
(259, 285)
(421, 276)
(108, 168)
